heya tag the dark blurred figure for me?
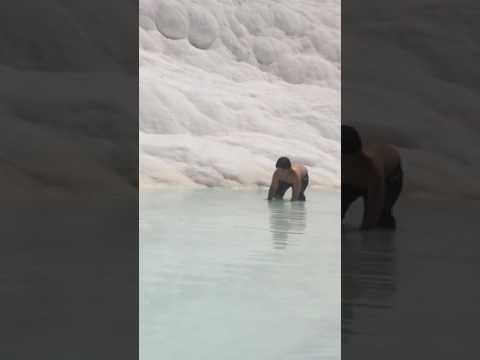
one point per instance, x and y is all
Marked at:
(373, 173)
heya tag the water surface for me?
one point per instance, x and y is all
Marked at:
(227, 275)
(415, 289)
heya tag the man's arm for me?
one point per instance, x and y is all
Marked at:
(374, 202)
(273, 186)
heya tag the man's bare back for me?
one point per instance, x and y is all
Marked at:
(299, 171)
(375, 161)
(384, 156)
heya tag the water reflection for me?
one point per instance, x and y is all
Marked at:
(368, 277)
(199, 276)
(287, 221)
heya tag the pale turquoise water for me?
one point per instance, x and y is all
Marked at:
(227, 275)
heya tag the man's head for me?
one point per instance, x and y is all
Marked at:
(284, 163)
(351, 141)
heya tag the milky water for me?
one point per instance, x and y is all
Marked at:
(226, 87)
(228, 275)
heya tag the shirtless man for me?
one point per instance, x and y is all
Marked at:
(287, 175)
(373, 173)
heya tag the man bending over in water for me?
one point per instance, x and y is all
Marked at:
(373, 173)
(287, 175)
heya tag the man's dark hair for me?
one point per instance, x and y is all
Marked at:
(283, 163)
(351, 141)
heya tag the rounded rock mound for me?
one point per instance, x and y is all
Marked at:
(204, 29)
(264, 50)
(171, 19)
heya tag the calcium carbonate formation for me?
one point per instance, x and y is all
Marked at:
(228, 86)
